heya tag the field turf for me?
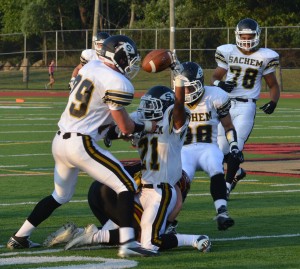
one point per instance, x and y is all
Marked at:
(265, 207)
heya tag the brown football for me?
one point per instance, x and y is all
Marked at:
(157, 60)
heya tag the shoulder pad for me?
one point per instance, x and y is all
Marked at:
(268, 53)
(226, 48)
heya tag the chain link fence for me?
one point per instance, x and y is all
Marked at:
(196, 44)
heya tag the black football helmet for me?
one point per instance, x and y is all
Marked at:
(99, 39)
(121, 51)
(155, 102)
(247, 26)
(194, 73)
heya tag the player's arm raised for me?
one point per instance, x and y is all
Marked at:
(179, 113)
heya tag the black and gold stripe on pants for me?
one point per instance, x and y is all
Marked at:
(107, 162)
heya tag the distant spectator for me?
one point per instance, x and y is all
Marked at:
(51, 75)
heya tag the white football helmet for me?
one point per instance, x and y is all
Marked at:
(247, 26)
(98, 40)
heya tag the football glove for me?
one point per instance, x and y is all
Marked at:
(176, 66)
(227, 86)
(236, 154)
(112, 133)
(268, 108)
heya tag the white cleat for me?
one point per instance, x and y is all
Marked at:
(62, 235)
(133, 249)
(83, 238)
(202, 243)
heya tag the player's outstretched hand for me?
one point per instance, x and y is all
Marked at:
(176, 66)
(268, 108)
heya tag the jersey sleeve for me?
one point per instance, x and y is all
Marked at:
(221, 55)
(119, 94)
(86, 56)
(272, 61)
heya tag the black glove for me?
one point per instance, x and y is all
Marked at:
(237, 154)
(227, 86)
(269, 108)
(111, 134)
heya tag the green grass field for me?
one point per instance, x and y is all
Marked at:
(266, 209)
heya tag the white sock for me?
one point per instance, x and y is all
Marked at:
(26, 229)
(186, 239)
(228, 186)
(102, 236)
(110, 225)
(126, 233)
(218, 203)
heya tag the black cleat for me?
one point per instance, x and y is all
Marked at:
(223, 219)
(16, 242)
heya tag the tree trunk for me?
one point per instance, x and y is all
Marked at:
(132, 12)
(82, 12)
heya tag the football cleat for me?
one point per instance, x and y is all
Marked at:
(171, 228)
(62, 235)
(237, 178)
(202, 243)
(16, 242)
(223, 219)
(133, 249)
(83, 238)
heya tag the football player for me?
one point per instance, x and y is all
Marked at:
(244, 65)
(102, 202)
(208, 106)
(89, 54)
(100, 93)
(160, 171)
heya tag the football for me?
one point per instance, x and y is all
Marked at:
(157, 60)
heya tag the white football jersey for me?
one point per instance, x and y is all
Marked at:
(203, 126)
(246, 70)
(97, 90)
(160, 151)
(88, 55)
